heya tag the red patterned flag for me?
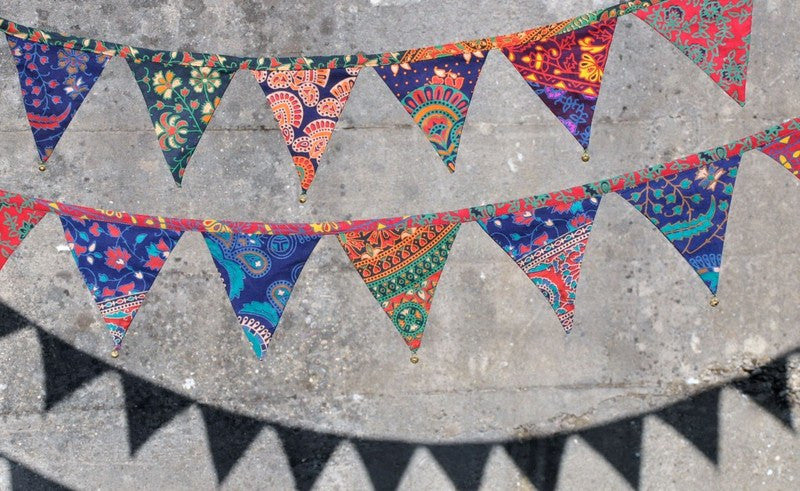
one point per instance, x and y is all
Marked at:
(566, 71)
(714, 34)
(786, 151)
(18, 216)
(307, 105)
(401, 268)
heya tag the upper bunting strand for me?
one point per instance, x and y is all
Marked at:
(557, 198)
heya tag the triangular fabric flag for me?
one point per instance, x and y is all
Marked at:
(786, 151)
(148, 408)
(697, 419)
(714, 34)
(181, 101)
(401, 267)
(307, 105)
(386, 461)
(229, 436)
(24, 478)
(691, 209)
(539, 459)
(620, 443)
(768, 386)
(463, 462)
(18, 216)
(259, 272)
(119, 264)
(307, 453)
(566, 72)
(437, 93)
(54, 81)
(66, 369)
(548, 244)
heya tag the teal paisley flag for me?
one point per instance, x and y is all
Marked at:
(181, 101)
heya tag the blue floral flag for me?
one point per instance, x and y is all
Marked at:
(548, 244)
(181, 100)
(437, 93)
(119, 264)
(259, 272)
(54, 82)
(691, 209)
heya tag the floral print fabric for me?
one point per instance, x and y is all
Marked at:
(54, 82)
(714, 34)
(548, 244)
(437, 93)
(401, 268)
(259, 272)
(307, 105)
(691, 210)
(786, 151)
(566, 71)
(119, 264)
(18, 216)
(181, 101)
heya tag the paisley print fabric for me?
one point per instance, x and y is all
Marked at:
(786, 151)
(566, 71)
(54, 82)
(401, 268)
(714, 34)
(119, 264)
(548, 244)
(437, 93)
(259, 272)
(691, 210)
(307, 105)
(18, 216)
(181, 101)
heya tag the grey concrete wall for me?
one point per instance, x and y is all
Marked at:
(495, 362)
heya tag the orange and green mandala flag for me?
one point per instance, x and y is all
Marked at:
(401, 268)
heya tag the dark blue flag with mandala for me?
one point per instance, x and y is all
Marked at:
(691, 209)
(259, 272)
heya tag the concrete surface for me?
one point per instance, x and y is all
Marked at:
(494, 359)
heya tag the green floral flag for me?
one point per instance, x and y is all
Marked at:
(181, 100)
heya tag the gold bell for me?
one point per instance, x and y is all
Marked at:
(114, 353)
(303, 198)
(414, 359)
(585, 156)
(714, 301)
(42, 167)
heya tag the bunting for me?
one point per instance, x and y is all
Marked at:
(786, 151)
(307, 105)
(181, 101)
(401, 268)
(54, 82)
(691, 209)
(566, 71)
(548, 245)
(714, 34)
(18, 216)
(259, 272)
(119, 264)
(436, 93)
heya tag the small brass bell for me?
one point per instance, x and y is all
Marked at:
(585, 156)
(415, 359)
(42, 167)
(714, 301)
(303, 198)
(115, 353)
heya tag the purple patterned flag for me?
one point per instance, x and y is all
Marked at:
(307, 105)
(54, 81)
(566, 72)
(181, 100)
(119, 264)
(436, 93)
(548, 245)
(786, 151)
(259, 272)
(691, 209)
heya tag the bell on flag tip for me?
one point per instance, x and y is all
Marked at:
(414, 359)
(303, 196)
(714, 301)
(585, 156)
(115, 353)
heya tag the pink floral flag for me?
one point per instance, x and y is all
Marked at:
(307, 105)
(119, 264)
